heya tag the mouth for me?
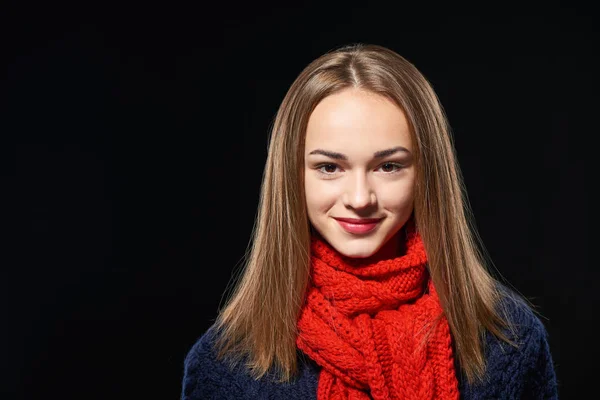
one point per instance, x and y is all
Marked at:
(358, 225)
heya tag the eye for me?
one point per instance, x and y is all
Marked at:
(391, 167)
(327, 169)
(388, 168)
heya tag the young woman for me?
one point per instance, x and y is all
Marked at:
(365, 279)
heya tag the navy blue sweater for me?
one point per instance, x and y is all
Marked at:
(526, 372)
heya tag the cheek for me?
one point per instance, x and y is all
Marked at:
(320, 197)
(399, 198)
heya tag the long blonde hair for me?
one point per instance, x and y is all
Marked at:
(258, 322)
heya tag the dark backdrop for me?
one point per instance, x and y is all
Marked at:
(133, 143)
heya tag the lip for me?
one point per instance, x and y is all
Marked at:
(358, 225)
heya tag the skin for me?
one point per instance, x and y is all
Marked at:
(357, 124)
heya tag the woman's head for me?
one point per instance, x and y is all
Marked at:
(357, 101)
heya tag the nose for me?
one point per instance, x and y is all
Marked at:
(358, 193)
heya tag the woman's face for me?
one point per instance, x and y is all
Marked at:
(359, 165)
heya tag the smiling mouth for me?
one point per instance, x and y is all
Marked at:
(358, 225)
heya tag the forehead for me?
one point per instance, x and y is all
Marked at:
(357, 120)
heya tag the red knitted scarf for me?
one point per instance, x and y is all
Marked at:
(364, 323)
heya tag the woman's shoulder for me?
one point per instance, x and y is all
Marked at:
(209, 377)
(521, 315)
(205, 376)
(202, 350)
(523, 369)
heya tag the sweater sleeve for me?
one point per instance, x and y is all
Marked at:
(197, 381)
(205, 378)
(191, 375)
(522, 372)
(542, 383)
(540, 377)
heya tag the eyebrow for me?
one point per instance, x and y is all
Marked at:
(377, 154)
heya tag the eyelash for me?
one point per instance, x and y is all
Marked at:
(397, 165)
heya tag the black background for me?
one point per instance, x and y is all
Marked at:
(134, 137)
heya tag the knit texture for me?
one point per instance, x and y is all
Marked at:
(376, 328)
(526, 372)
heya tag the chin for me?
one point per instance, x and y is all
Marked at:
(359, 255)
(356, 248)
